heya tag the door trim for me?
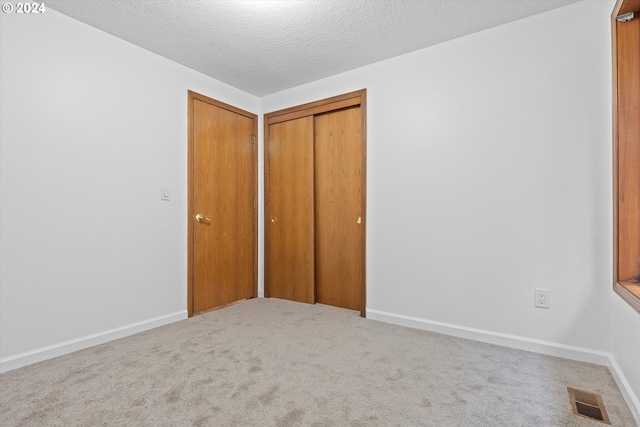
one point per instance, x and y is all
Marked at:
(193, 96)
(347, 100)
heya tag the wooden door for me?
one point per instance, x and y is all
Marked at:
(315, 163)
(339, 165)
(222, 193)
(290, 213)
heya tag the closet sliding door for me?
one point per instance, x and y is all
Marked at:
(339, 150)
(290, 218)
(315, 202)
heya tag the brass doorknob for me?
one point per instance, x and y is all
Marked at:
(201, 218)
(274, 219)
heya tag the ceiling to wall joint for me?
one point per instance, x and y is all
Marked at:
(263, 47)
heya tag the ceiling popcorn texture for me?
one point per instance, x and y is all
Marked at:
(263, 47)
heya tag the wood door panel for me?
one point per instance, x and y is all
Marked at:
(339, 153)
(223, 191)
(290, 215)
(315, 162)
(628, 156)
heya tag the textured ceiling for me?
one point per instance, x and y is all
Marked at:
(265, 46)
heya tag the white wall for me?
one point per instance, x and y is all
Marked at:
(625, 349)
(489, 174)
(92, 126)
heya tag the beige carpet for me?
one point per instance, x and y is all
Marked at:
(269, 362)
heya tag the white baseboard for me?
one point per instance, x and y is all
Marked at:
(44, 353)
(505, 340)
(625, 388)
(521, 343)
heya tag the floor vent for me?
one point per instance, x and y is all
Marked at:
(588, 405)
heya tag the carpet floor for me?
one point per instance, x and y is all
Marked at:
(270, 362)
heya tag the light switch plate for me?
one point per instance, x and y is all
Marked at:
(165, 193)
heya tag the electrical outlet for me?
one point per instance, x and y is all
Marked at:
(541, 298)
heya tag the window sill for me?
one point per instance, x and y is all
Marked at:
(630, 292)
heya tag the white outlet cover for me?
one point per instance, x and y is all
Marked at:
(541, 298)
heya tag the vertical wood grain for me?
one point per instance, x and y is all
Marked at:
(222, 187)
(339, 150)
(290, 215)
(628, 151)
(338, 103)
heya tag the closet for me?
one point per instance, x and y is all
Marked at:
(315, 188)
